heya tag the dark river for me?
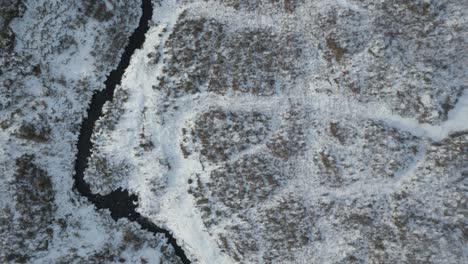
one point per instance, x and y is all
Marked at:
(120, 203)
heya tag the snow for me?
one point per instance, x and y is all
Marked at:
(457, 117)
(348, 5)
(160, 175)
(180, 217)
(457, 122)
(61, 93)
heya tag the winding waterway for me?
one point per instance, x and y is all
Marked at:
(120, 203)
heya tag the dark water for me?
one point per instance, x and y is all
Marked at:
(119, 202)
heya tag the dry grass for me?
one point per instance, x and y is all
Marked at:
(335, 48)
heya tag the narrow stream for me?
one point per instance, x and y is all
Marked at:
(120, 203)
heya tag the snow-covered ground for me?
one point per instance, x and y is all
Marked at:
(59, 54)
(254, 131)
(352, 153)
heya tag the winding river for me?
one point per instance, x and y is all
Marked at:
(120, 203)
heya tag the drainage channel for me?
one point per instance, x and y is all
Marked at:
(120, 203)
